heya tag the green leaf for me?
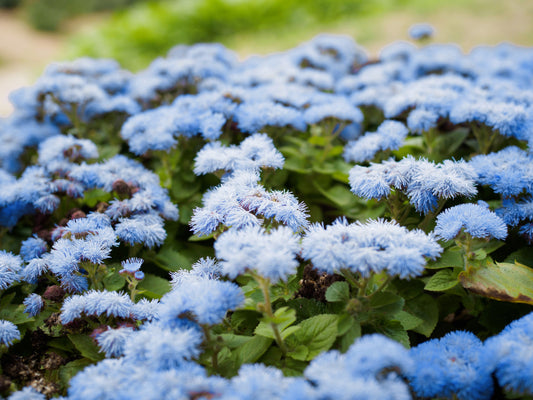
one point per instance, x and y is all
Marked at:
(233, 341)
(94, 196)
(443, 280)
(15, 313)
(154, 286)
(408, 321)
(451, 257)
(114, 281)
(386, 303)
(344, 324)
(349, 337)
(338, 194)
(500, 281)
(86, 346)
(338, 291)
(69, 370)
(426, 308)
(283, 317)
(171, 259)
(252, 350)
(299, 353)
(394, 330)
(447, 143)
(317, 333)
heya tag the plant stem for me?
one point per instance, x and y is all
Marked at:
(264, 284)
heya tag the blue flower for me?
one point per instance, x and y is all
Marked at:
(452, 365)
(34, 304)
(271, 255)
(33, 247)
(509, 353)
(475, 219)
(131, 264)
(253, 153)
(208, 300)
(421, 31)
(389, 136)
(371, 247)
(112, 341)
(28, 393)
(10, 267)
(8, 332)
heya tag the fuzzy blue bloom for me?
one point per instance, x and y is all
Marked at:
(510, 354)
(452, 365)
(422, 120)
(10, 267)
(370, 369)
(239, 202)
(422, 181)
(8, 332)
(252, 117)
(389, 136)
(33, 247)
(475, 219)
(271, 255)
(508, 171)
(28, 393)
(339, 109)
(253, 153)
(112, 341)
(207, 300)
(374, 246)
(34, 304)
(204, 268)
(66, 148)
(421, 31)
(33, 270)
(160, 348)
(96, 303)
(146, 229)
(131, 264)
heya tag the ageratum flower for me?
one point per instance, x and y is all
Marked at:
(389, 136)
(369, 247)
(270, 254)
(452, 365)
(10, 266)
(475, 219)
(8, 332)
(253, 153)
(112, 341)
(511, 355)
(34, 304)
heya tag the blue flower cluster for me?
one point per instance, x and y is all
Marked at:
(372, 247)
(422, 181)
(327, 87)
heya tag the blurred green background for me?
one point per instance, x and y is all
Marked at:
(136, 31)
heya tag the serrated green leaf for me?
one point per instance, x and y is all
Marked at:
(69, 370)
(443, 280)
(500, 281)
(94, 196)
(395, 330)
(451, 257)
(426, 308)
(386, 303)
(171, 259)
(283, 317)
(252, 350)
(154, 286)
(15, 313)
(233, 341)
(408, 321)
(299, 353)
(349, 337)
(344, 324)
(317, 333)
(86, 346)
(338, 291)
(114, 281)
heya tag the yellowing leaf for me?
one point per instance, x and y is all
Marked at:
(501, 281)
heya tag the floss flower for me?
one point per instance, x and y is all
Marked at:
(374, 246)
(270, 254)
(475, 219)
